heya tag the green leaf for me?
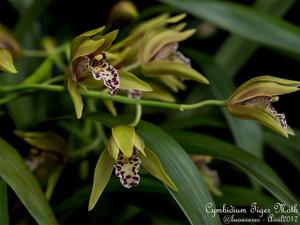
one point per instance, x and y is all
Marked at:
(245, 197)
(102, 174)
(244, 21)
(242, 196)
(153, 165)
(192, 195)
(81, 196)
(15, 173)
(258, 169)
(130, 81)
(231, 47)
(287, 148)
(42, 73)
(6, 61)
(4, 218)
(124, 137)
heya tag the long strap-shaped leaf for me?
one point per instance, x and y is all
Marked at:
(192, 195)
(206, 145)
(244, 21)
(15, 173)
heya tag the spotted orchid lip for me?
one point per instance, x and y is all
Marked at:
(265, 103)
(171, 52)
(127, 169)
(100, 70)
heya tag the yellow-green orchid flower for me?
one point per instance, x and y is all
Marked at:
(254, 98)
(88, 60)
(154, 44)
(122, 11)
(159, 54)
(125, 153)
(88, 64)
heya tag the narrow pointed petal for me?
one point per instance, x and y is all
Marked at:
(124, 137)
(153, 46)
(173, 83)
(110, 105)
(139, 144)
(109, 38)
(290, 131)
(178, 27)
(130, 81)
(87, 47)
(82, 37)
(102, 174)
(153, 165)
(262, 88)
(177, 18)
(159, 93)
(178, 69)
(113, 148)
(259, 115)
(151, 24)
(6, 61)
(270, 79)
(76, 97)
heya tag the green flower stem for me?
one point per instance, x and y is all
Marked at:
(4, 218)
(138, 116)
(126, 100)
(118, 98)
(23, 87)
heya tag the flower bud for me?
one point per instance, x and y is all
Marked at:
(122, 11)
